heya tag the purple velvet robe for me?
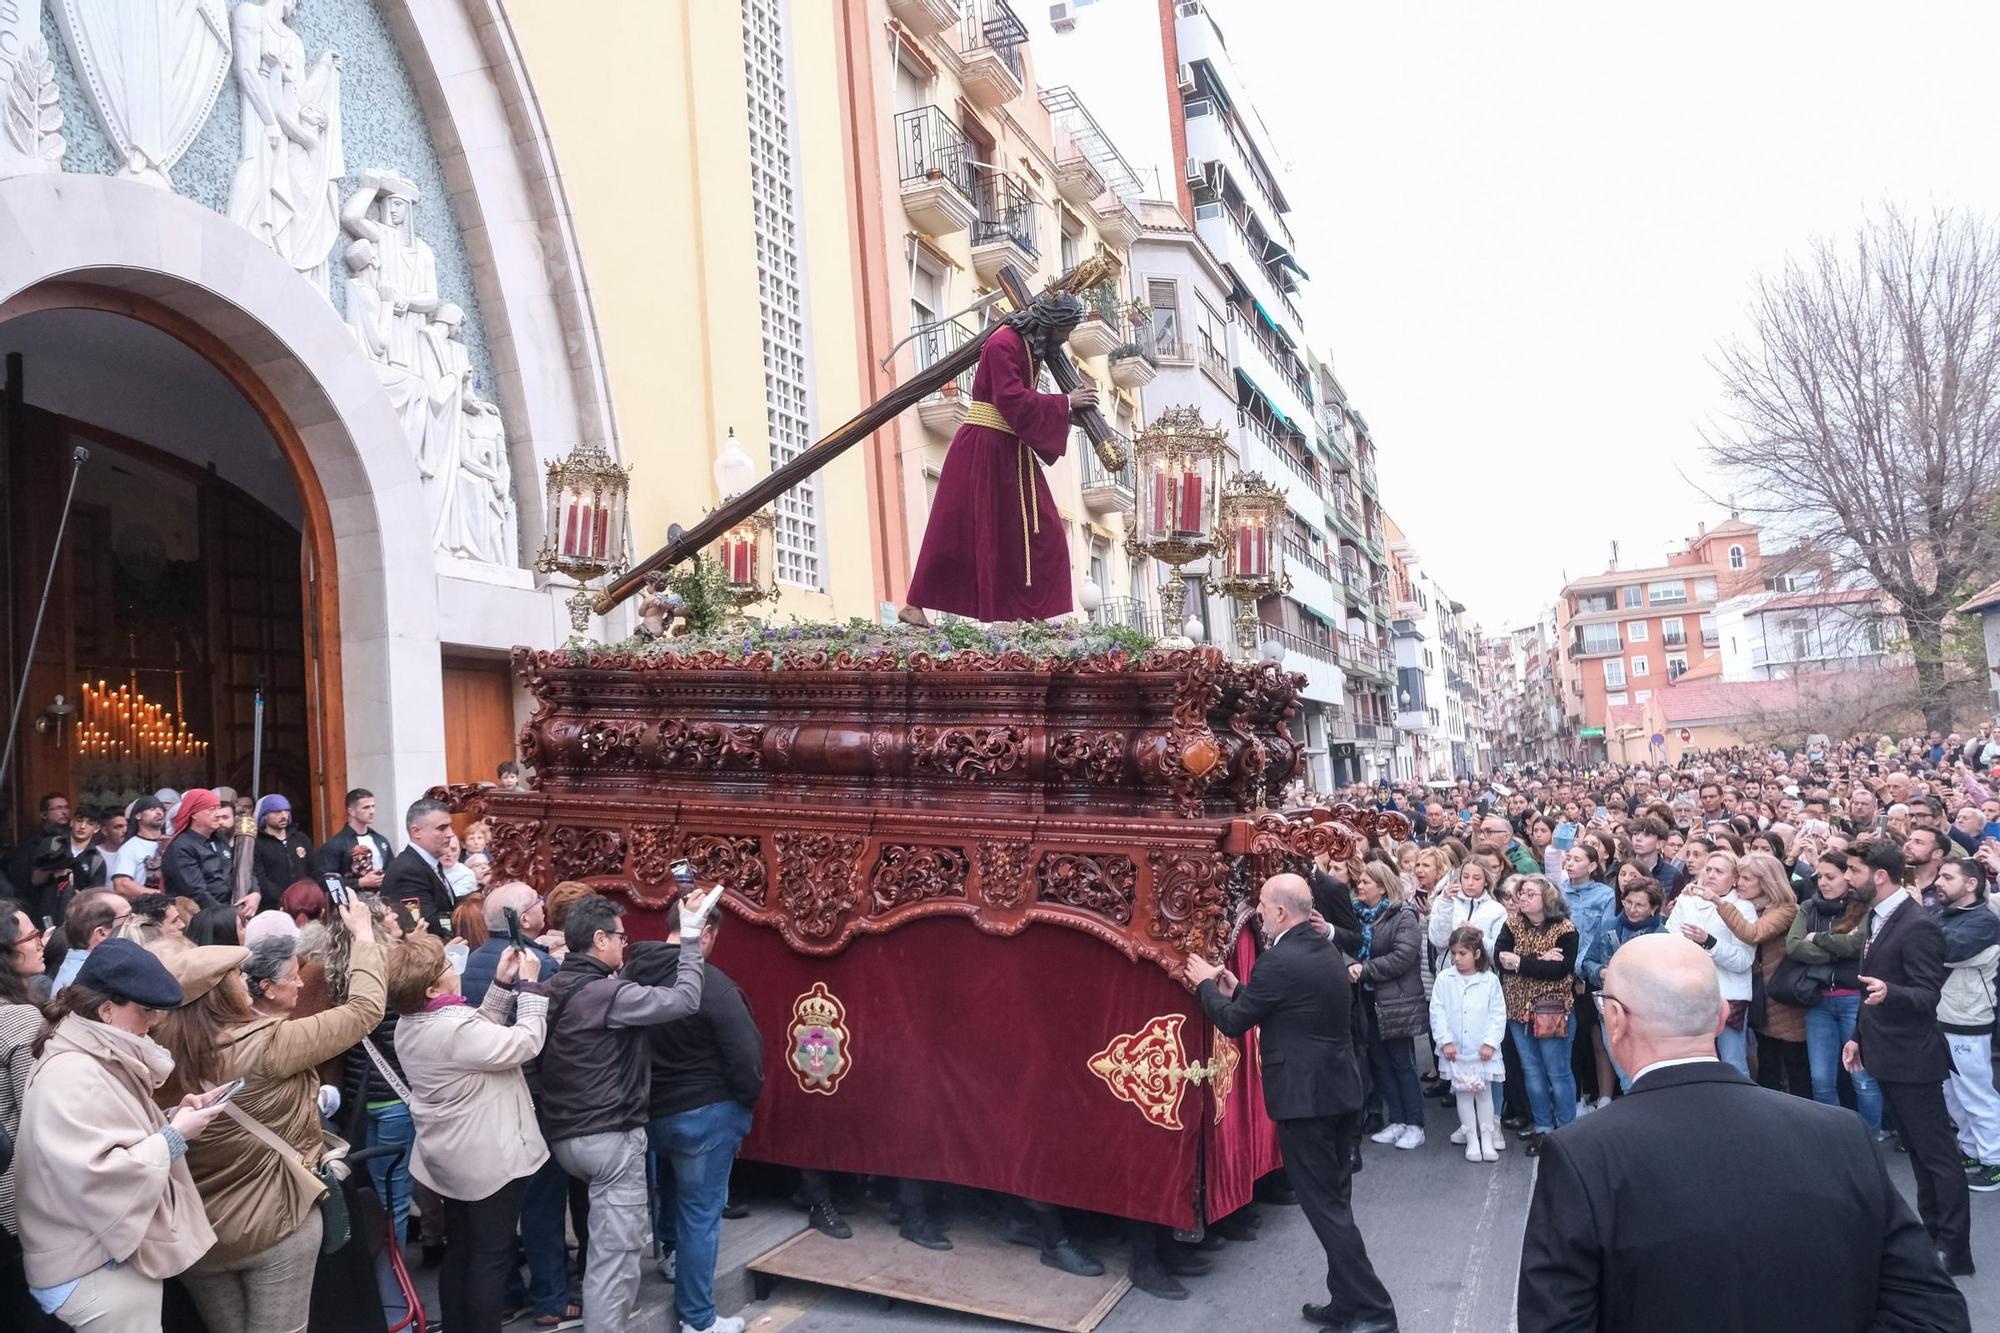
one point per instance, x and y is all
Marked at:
(994, 547)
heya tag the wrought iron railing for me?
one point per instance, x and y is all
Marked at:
(1006, 213)
(937, 342)
(992, 25)
(1302, 553)
(930, 145)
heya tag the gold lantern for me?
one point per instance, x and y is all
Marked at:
(748, 554)
(585, 536)
(1251, 546)
(1178, 460)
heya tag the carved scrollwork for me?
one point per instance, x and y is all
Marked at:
(817, 879)
(1188, 907)
(608, 744)
(513, 847)
(652, 852)
(578, 853)
(460, 796)
(1089, 756)
(1279, 842)
(1374, 823)
(710, 745)
(1104, 884)
(1003, 874)
(906, 874)
(970, 753)
(736, 863)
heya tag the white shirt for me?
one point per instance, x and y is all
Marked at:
(1888, 905)
(130, 860)
(1669, 1064)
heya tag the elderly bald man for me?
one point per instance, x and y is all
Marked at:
(1621, 1234)
(479, 965)
(1298, 996)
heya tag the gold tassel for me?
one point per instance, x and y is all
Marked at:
(1027, 547)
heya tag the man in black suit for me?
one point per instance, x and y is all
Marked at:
(1695, 1145)
(1298, 995)
(414, 877)
(1896, 1039)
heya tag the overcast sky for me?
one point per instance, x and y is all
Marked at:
(1528, 225)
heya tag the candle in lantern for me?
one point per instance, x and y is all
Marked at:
(572, 523)
(601, 536)
(1262, 552)
(1189, 518)
(1160, 487)
(1243, 539)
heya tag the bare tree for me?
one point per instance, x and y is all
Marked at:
(1864, 415)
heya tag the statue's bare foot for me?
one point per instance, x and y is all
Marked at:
(914, 615)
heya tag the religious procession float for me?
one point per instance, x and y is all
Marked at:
(964, 864)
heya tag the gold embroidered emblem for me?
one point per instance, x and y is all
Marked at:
(1222, 1066)
(1149, 1069)
(822, 1047)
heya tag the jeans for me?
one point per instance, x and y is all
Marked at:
(1829, 1026)
(614, 1163)
(478, 1250)
(543, 1207)
(389, 1127)
(1732, 1046)
(700, 1146)
(1551, 1087)
(1392, 1063)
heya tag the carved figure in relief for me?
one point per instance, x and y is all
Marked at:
(152, 70)
(290, 162)
(478, 521)
(31, 117)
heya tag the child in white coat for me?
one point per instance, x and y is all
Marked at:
(1468, 1022)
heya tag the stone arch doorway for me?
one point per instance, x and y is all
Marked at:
(126, 251)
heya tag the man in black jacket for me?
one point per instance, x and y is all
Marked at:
(1299, 997)
(192, 865)
(1606, 1245)
(708, 1072)
(336, 854)
(415, 878)
(283, 855)
(1896, 1039)
(594, 1087)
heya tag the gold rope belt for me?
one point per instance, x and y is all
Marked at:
(987, 415)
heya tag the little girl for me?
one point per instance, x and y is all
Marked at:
(1469, 1021)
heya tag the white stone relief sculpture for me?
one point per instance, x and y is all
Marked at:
(152, 70)
(479, 521)
(30, 120)
(288, 170)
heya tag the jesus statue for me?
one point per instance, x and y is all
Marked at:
(994, 547)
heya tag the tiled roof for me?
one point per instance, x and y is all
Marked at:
(1805, 601)
(1718, 700)
(1985, 597)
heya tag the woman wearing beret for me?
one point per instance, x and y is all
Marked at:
(108, 1206)
(264, 1206)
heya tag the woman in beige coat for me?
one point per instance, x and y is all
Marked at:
(265, 1209)
(477, 1140)
(108, 1208)
(1781, 1028)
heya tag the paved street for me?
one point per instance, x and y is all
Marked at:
(1444, 1234)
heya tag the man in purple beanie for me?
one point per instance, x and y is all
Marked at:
(284, 855)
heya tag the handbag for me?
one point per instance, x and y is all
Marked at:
(1801, 984)
(336, 1228)
(1471, 1084)
(1549, 1017)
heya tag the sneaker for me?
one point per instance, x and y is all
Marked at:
(725, 1324)
(1459, 1135)
(1386, 1134)
(1584, 1107)
(1411, 1137)
(1486, 1154)
(824, 1218)
(1968, 1163)
(667, 1265)
(1498, 1139)
(1603, 1102)
(1983, 1181)
(1471, 1152)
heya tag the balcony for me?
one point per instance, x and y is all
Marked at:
(990, 37)
(1595, 645)
(934, 163)
(1287, 460)
(1106, 492)
(924, 17)
(1076, 176)
(944, 411)
(1340, 499)
(1299, 551)
(1673, 640)
(1225, 233)
(1117, 224)
(1130, 612)
(1313, 659)
(1212, 359)
(1133, 366)
(1004, 232)
(1374, 731)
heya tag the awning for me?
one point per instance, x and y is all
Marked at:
(1269, 405)
(1590, 734)
(1278, 254)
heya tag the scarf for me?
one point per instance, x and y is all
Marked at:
(1628, 930)
(192, 804)
(1368, 916)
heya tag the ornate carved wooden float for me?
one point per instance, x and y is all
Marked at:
(962, 888)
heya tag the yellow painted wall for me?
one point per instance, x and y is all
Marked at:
(651, 135)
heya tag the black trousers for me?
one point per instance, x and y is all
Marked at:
(1943, 1200)
(478, 1255)
(1316, 1153)
(1782, 1066)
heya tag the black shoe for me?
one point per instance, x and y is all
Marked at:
(1324, 1314)
(1533, 1146)
(1373, 1123)
(732, 1209)
(1386, 1325)
(1437, 1087)
(1354, 1160)
(1240, 1225)
(1066, 1256)
(1021, 1231)
(1959, 1267)
(1211, 1241)
(826, 1219)
(1520, 1124)
(1158, 1282)
(1183, 1262)
(925, 1234)
(433, 1255)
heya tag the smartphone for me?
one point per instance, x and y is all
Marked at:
(229, 1089)
(336, 889)
(683, 873)
(514, 935)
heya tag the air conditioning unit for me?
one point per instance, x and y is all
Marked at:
(1195, 173)
(1062, 16)
(1185, 77)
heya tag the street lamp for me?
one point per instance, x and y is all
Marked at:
(585, 536)
(1253, 552)
(1178, 459)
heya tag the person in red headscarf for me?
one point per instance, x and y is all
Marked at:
(193, 865)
